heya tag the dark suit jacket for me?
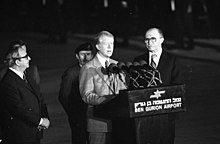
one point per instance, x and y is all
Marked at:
(168, 66)
(159, 129)
(69, 95)
(31, 71)
(22, 107)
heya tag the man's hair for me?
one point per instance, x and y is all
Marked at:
(12, 54)
(84, 47)
(101, 34)
(160, 32)
(16, 43)
(158, 29)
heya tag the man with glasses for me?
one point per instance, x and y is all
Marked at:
(97, 86)
(159, 129)
(32, 70)
(69, 95)
(24, 113)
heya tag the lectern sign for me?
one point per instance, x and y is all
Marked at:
(160, 100)
(155, 105)
(144, 102)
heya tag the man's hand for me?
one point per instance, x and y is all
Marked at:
(44, 124)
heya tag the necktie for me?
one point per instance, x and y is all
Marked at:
(153, 63)
(106, 64)
(25, 79)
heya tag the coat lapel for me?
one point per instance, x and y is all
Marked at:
(30, 86)
(162, 61)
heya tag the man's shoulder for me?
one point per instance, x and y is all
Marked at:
(91, 63)
(9, 77)
(3, 70)
(113, 61)
(71, 70)
(169, 54)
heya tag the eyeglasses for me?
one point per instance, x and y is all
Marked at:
(152, 39)
(26, 56)
(106, 43)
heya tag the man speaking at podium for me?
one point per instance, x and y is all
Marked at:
(158, 129)
(97, 85)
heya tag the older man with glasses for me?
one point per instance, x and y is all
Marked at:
(159, 129)
(32, 70)
(24, 113)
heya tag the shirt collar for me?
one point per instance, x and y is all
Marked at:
(20, 74)
(156, 59)
(102, 60)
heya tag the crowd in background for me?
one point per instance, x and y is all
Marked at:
(123, 17)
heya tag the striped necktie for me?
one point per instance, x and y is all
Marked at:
(153, 63)
(25, 79)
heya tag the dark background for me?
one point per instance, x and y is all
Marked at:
(89, 16)
(43, 26)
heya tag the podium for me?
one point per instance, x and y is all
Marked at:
(144, 102)
(134, 106)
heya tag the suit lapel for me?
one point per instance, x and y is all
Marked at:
(98, 67)
(28, 85)
(162, 61)
(102, 72)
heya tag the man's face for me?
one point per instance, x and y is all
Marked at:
(106, 46)
(84, 56)
(153, 40)
(23, 60)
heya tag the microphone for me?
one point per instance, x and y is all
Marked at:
(138, 66)
(123, 67)
(113, 68)
(131, 67)
(144, 64)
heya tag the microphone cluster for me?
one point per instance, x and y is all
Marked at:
(141, 74)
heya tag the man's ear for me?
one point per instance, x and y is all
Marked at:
(97, 46)
(161, 40)
(77, 57)
(17, 62)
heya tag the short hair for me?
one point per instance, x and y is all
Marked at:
(160, 32)
(158, 29)
(18, 43)
(12, 54)
(101, 34)
(84, 47)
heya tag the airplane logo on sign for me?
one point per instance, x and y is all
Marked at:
(157, 94)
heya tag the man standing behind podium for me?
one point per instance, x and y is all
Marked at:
(159, 129)
(24, 114)
(97, 86)
(70, 98)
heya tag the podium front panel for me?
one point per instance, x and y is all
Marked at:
(153, 101)
(145, 102)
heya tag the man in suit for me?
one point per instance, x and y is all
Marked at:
(70, 98)
(97, 86)
(159, 129)
(24, 113)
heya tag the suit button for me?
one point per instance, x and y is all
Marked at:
(11, 118)
(30, 109)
